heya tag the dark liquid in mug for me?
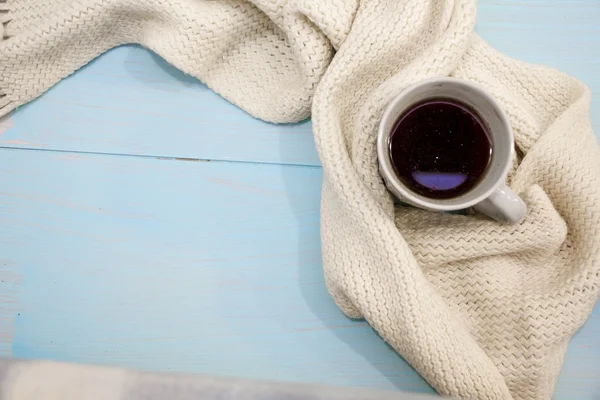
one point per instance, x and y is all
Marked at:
(440, 148)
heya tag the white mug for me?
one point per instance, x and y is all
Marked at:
(491, 195)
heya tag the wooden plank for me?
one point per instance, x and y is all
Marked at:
(562, 34)
(179, 266)
(130, 101)
(192, 266)
(580, 374)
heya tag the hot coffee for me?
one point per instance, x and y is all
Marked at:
(440, 148)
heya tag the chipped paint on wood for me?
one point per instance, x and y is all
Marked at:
(10, 308)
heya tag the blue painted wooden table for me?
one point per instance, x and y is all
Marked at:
(147, 223)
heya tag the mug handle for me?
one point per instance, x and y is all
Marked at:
(503, 205)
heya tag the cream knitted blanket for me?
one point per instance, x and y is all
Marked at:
(481, 310)
(48, 380)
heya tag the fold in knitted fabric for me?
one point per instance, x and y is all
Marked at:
(481, 310)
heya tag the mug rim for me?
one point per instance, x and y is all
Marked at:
(388, 172)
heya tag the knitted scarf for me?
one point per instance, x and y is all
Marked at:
(481, 310)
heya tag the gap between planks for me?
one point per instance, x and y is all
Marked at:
(157, 157)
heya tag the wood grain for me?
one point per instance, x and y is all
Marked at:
(130, 101)
(178, 265)
(118, 245)
(206, 267)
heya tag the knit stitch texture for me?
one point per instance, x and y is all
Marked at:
(481, 310)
